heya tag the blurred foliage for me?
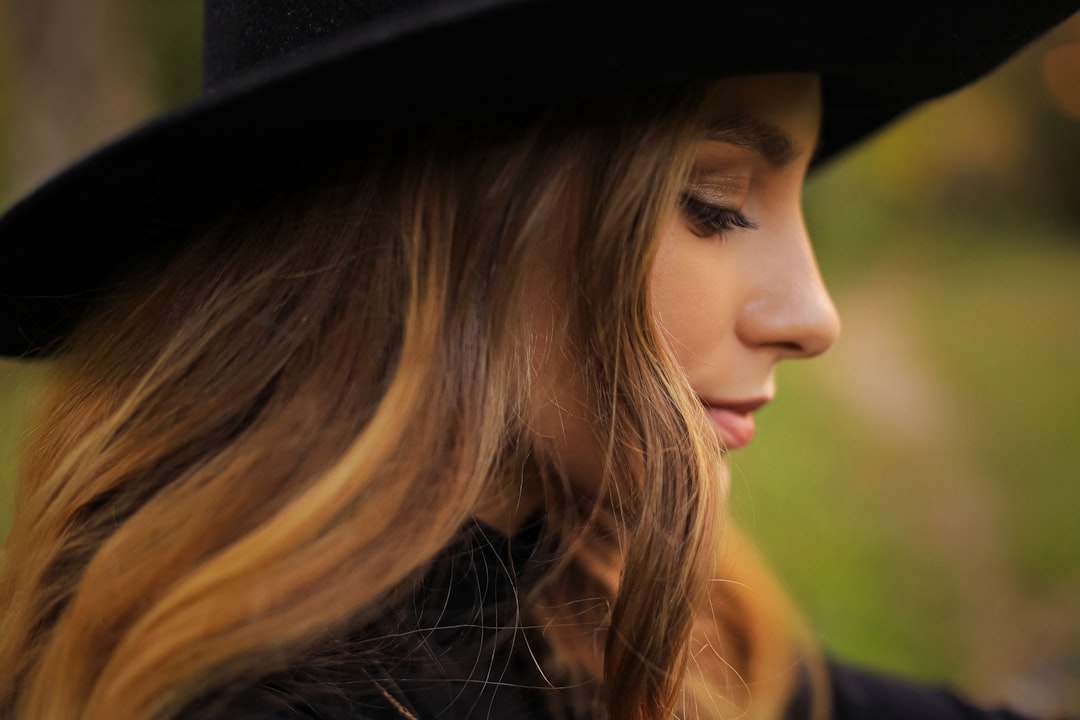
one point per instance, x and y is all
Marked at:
(77, 73)
(174, 71)
(918, 487)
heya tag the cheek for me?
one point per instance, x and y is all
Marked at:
(557, 409)
(692, 297)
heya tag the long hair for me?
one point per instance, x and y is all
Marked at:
(250, 449)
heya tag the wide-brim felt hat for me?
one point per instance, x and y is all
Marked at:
(282, 73)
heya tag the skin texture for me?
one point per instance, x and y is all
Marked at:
(735, 303)
(732, 301)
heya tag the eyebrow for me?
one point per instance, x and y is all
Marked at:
(772, 143)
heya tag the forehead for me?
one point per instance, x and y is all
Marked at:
(766, 109)
(780, 93)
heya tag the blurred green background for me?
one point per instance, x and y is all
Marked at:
(918, 488)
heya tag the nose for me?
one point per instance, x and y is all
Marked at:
(789, 309)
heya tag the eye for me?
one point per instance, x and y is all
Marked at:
(705, 220)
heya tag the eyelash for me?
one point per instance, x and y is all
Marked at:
(709, 220)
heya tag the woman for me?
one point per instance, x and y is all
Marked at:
(361, 413)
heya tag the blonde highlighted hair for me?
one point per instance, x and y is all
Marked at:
(251, 449)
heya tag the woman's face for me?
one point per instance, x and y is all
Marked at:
(735, 287)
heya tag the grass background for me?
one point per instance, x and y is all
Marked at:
(917, 488)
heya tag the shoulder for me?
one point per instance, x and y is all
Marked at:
(861, 695)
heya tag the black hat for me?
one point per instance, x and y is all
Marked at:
(276, 71)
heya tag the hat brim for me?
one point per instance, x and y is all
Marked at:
(62, 243)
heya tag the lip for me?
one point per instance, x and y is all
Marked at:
(733, 420)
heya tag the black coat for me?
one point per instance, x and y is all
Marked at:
(465, 606)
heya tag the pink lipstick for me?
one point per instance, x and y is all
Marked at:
(733, 420)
